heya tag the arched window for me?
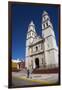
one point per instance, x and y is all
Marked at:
(36, 48)
(44, 17)
(47, 24)
(32, 33)
(44, 25)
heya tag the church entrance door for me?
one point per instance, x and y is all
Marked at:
(37, 62)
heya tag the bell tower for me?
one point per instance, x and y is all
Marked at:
(31, 34)
(50, 46)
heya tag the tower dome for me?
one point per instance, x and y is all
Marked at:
(31, 23)
(44, 13)
(31, 26)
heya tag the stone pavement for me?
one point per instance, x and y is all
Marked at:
(45, 77)
(19, 82)
(51, 78)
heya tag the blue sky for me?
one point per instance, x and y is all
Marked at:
(21, 17)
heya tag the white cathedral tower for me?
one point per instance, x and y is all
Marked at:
(50, 46)
(41, 51)
(31, 34)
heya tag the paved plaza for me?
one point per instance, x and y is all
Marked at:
(20, 79)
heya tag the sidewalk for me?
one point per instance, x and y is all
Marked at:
(41, 78)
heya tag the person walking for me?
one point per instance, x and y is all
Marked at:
(28, 73)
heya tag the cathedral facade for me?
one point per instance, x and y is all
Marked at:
(41, 51)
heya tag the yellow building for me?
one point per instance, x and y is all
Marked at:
(15, 65)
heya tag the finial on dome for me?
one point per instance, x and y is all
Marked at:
(44, 13)
(31, 23)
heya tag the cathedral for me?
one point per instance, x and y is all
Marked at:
(41, 51)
